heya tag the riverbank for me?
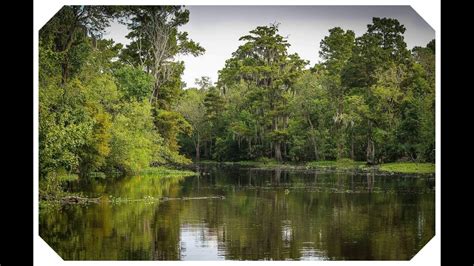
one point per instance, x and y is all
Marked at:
(163, 171)
(408, 168)
(52, 189)
(339, 165)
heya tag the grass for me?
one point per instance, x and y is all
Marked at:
(342, 164)
(67, 177)
(260, 162)
(408, 168)
(339, 164)
(264, 163)
(168, 172)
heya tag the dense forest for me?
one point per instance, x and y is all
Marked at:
(369, 99)
(109, 108)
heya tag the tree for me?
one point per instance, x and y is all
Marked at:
(311, 112)
(193, 110)
(203, 83)
(156, 41)
(263, 62)
(336, 50)
(214, 104)
(65, 32)
(133, 138)
(381, 48)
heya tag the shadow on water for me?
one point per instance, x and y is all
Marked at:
(265, 215)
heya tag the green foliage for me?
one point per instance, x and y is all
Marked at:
(51, 185)
(95, 111)
(193, 110)
(266, 161)
(370, 99)
(134, 83)
(170, 124)
(264, 80)
(64, 126)
(133, 137)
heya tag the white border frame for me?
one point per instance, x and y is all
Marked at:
(430, 10)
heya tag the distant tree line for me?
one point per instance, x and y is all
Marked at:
(370, 99)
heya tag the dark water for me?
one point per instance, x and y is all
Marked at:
(265, 215)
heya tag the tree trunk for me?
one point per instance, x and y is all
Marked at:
(352, 148)
(206, 150)
(339, 149)
(276, 144)
(249, 152)
(65, 49)
(198, 157)
(210, 148)
(277, 175)
(370, 145)
(313, 140)
(316, 153)
(370, 151)
(278, 151)
(64, 72)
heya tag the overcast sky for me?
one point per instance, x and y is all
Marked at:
(218, 29)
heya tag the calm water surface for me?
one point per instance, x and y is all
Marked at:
(265, 215)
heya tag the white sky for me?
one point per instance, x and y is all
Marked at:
(218, 28)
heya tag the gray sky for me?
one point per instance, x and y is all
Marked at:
(218, 29)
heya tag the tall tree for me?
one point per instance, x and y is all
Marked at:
(382, 47)
(264, 64)
(65, 32)
(193, 109)
(156, 41)
(336, 50)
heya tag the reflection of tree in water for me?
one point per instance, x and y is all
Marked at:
(370, 180)
(324, 224)
(277, 176)
(375, 219)
(111, 231)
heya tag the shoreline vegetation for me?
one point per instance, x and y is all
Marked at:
(336, 165)
(52, 188)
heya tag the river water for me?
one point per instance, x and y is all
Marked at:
(264, 215)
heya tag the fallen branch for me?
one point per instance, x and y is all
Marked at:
(82, 200)
(78, 200)
(191, 198)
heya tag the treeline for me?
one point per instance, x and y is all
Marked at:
(370, 99)
(108, 108)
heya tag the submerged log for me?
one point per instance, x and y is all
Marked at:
(78, 200)
(82, 200)
(192, 198)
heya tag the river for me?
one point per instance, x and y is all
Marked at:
(263, 215)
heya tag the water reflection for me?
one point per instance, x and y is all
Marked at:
(199, 242)
(278, 215)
